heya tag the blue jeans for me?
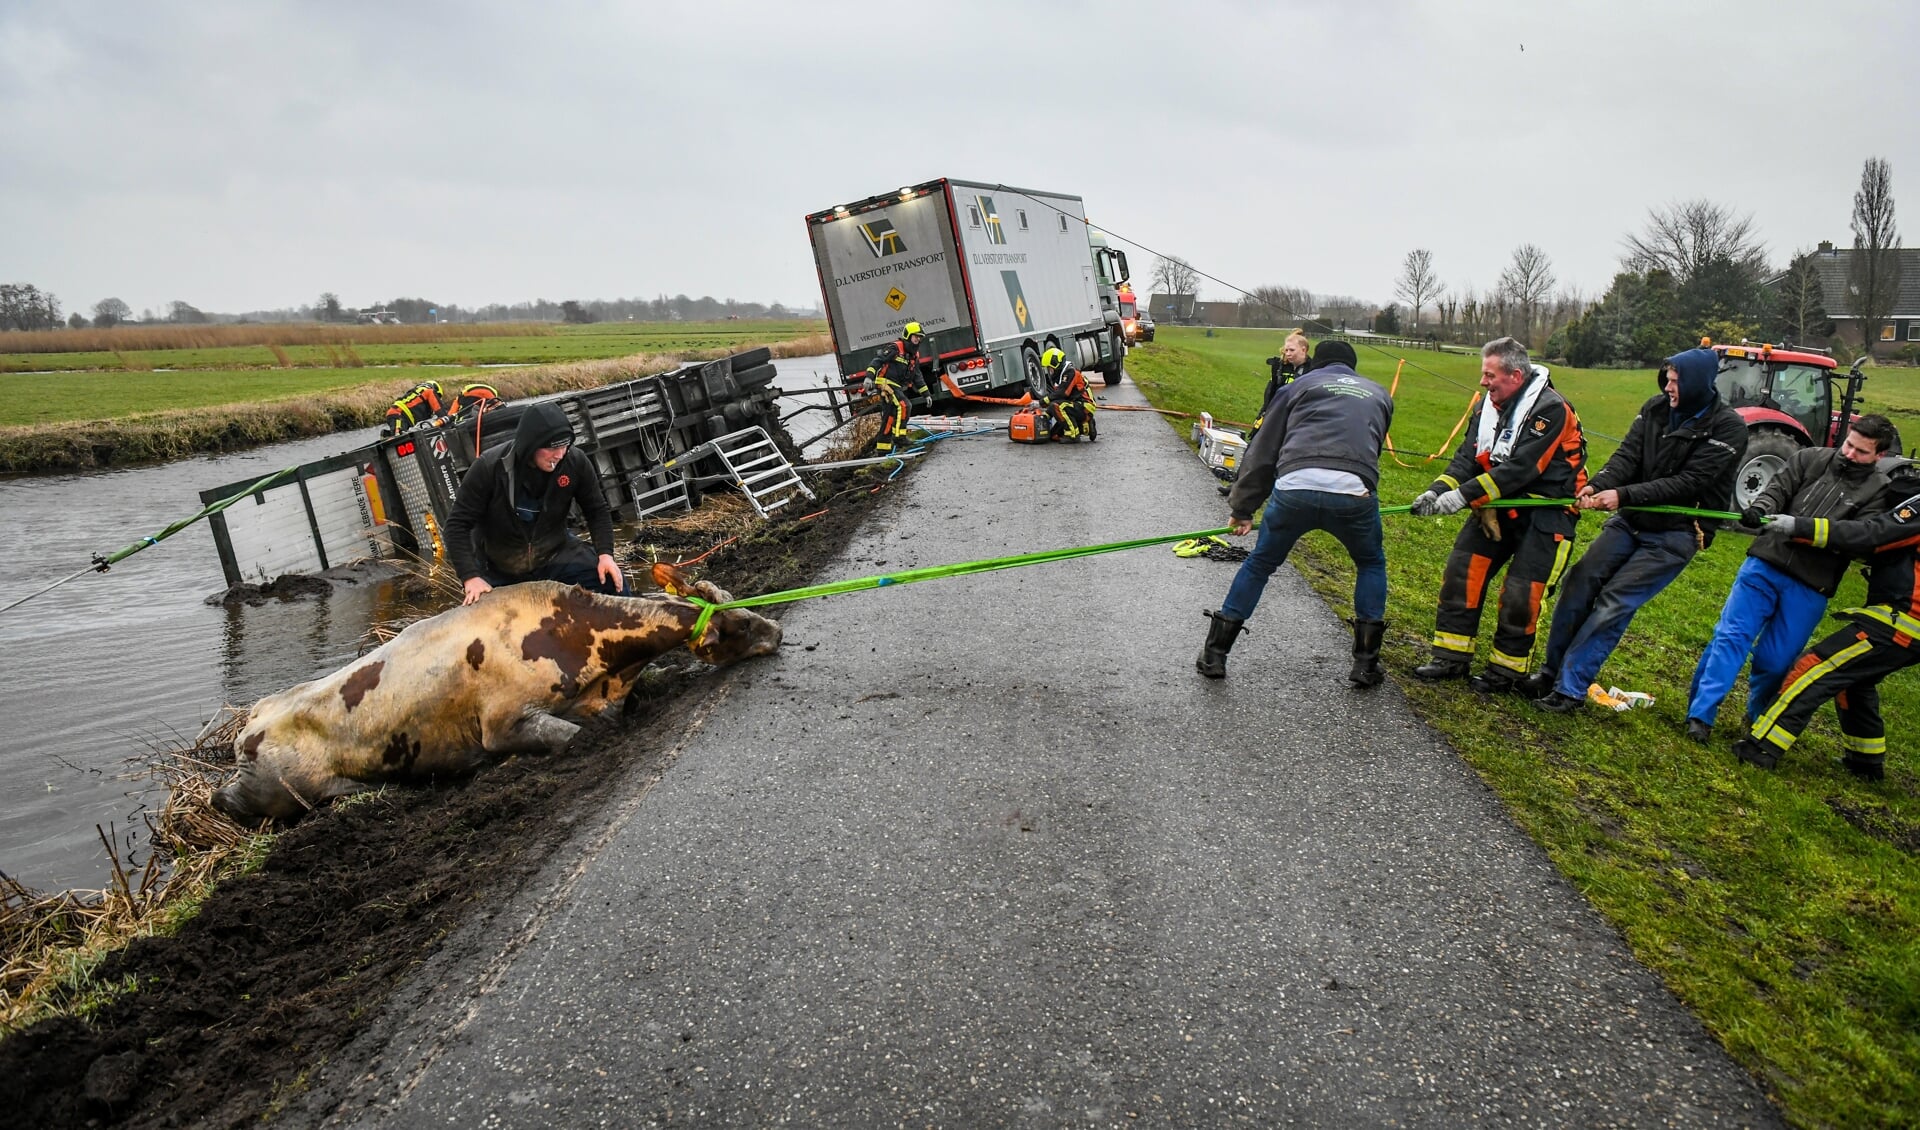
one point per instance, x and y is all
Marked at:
(1353, 519)
(1768, 613)
(1622, 570)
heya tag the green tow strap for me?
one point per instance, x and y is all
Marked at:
(933, 572)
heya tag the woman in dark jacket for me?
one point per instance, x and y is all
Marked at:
(509, 521)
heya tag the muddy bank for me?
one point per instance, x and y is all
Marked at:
(80, 444)
(281, 968)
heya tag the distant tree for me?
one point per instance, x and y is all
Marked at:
(185, 313)
(1387, 321)
(76, 321)
(1174, 275)
(1526, 282)
(1684, 238)
(110, 312)
(328, 309)
(1418, 283)
(573, 313)
(1873, 272)
(1801, 314)
(1276, 306)
(24, 306)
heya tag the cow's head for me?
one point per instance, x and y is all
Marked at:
(733, 634)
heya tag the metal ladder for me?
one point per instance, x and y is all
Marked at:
(755, 465)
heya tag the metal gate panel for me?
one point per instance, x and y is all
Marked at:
(271, 535)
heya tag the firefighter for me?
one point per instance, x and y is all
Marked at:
(469, 396)
(1849, 665)
(1528, 444)
(897, 374)
(421, 403)
(1065, 396)
(1283, 371)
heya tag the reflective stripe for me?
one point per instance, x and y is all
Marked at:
(1876, 747)
(1768, 725)
(1448, 641)
(1516, 663)
(1452, 483)
(1486, 484)
(1821, 528)
(1560, 557)
(1884, 614)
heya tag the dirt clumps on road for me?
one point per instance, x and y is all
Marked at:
(222, 1022)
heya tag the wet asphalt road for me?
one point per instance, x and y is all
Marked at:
(988, 852)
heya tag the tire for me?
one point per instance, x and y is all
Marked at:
(1030, 362)
(1111, 373)
(1767, 453)
(741, 362)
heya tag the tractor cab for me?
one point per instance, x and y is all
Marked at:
(1788, 400)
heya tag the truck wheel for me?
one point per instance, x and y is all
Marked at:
(1030, 361)
(1111, 372)
(1767, 453)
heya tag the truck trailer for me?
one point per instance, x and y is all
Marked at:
(994, 275)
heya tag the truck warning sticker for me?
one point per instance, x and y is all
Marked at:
(882, 239)
(1019, 299)
(896, 298)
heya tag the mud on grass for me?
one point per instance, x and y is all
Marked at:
(283, 967)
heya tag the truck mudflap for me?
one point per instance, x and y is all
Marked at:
(953, 390)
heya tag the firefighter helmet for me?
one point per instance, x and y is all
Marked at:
(910, 329)
(1052, 359)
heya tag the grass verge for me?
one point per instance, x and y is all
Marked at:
(1782, 907)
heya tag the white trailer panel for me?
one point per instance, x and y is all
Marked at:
(883, 267)
(1031, 265)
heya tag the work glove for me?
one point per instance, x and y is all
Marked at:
(1786, 525)
(1423, 506)
(1753, 517)
(1451, 502)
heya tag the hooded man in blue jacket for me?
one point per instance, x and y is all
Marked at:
(1683, 449)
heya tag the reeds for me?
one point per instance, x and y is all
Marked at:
(50, 944)
(122, 338)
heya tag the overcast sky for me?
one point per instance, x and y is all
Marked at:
(251, 155)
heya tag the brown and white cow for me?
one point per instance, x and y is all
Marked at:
(509, 673)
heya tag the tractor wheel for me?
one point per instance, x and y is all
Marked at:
(1767, 453)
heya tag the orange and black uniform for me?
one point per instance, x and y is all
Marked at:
(898, 373)
(1069, 403)
(1883, 637)
(1547, 459)
(421, 403)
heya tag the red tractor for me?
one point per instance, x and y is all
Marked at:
(1786, 396)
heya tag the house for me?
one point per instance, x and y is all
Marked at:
(1902, 326)
(1217, 313)
(1171, 309)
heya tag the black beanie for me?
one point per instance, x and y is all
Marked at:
(1336, 352)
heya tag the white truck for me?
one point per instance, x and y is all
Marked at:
(994, 275)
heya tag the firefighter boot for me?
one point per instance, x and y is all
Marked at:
(1867, 767)
(1367, 635)
(1441, 667)
(1220, 636)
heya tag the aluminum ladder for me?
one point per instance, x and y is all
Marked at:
(755, 464)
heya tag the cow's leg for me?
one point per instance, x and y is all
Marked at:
(537, 732)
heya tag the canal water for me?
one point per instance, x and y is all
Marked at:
(101, 671)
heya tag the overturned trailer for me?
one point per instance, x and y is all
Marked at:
(657, 441)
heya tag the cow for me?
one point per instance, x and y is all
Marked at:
(514, 672)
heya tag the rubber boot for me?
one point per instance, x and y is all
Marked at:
(1367, 635)
(1865, 766)
(1220, 636)
(1441, 667)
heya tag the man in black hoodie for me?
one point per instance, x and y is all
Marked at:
(509, 521)
(1683, 449)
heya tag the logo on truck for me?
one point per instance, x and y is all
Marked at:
(995, 233)
(882, 240)
(1019, 300)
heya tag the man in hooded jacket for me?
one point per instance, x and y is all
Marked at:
(509, 521)
(1683, 449)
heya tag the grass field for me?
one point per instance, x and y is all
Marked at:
(539, 345)
(1783, 907)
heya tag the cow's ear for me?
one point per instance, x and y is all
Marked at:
(707, 590)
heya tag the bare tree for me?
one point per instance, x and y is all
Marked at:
(1447, 304)
(1271, 306)
(1418, 283)
(1803, 314)
(1174, 275)
(1683, 238)
(1873, 276)
(1525, 283)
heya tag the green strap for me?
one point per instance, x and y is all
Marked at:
(933, 572)
(206, 511)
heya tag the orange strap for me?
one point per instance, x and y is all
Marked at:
(1446, 444)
